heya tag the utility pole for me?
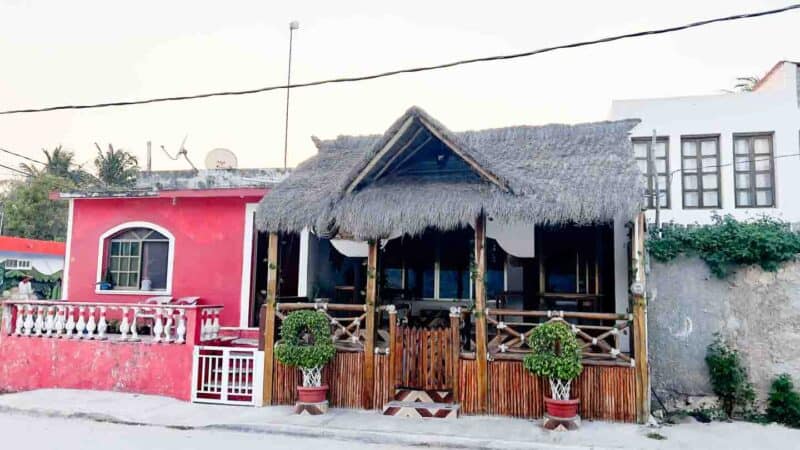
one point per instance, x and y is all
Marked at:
(656, 192)
(149, 156)
(293, 25)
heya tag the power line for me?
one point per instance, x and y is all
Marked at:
(13, 169)
(22, 156)
(415, 69)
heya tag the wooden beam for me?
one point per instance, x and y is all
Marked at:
(639, 311)
(268, 325)
(414, 151)
(381, 153)
(394, 350)
(398, 153)
(481, 332)
(469, 160)
(455, 336)
(368, 385)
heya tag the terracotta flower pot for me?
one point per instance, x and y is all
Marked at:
(315, 394)
(562, 409)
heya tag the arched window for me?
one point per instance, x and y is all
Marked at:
(138, 258)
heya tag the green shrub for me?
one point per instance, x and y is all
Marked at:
(305, 340)
(555, 352)
(783, 405)
(727, 242)
(729, 378)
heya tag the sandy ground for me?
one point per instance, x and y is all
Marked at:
(146, 415)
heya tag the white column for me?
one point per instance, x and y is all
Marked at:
(38, 324)
(91, 324)
(70, 323)
(59, 325)
(20, 321)
(102, 325)
(180, 331)
(158, 327)
(302, 271)
(29, 322)
(124, 325)
(80, 326)
(167, 324)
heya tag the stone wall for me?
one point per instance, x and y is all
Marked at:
(757, 311)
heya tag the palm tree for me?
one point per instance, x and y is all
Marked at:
(58, 163)
(116, 168)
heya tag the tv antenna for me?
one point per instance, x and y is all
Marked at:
(181, 152)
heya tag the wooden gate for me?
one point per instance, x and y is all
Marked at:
(425, 358)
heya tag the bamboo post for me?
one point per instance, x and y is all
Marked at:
(268, 325)
(393, 349)
(455, 323)
(368, 387)
(481, 333)
(639, 312)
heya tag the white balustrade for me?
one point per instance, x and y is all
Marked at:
(70, 324)
(29, 322)
(91, 324)
(168, 324)
(124, 325)
(102, 325)
(38, 324)
(20, 320)
(180, 331)
(59, 321)
(134, 331)
(80, 326)
(49, 321)
(158, 327)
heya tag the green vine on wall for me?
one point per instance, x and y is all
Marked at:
(727, 243)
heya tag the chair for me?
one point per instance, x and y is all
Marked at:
(151, 317)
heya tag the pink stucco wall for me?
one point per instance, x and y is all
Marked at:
(30, 362)
(208, 246)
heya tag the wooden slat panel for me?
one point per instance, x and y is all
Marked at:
(606, 392)
(423, 358)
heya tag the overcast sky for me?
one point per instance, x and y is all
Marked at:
(84, 51)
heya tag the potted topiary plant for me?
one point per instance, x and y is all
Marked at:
(556, 355)
(306, 344)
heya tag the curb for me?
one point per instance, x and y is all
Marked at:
(342, 434)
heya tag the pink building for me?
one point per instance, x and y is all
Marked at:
(175, 256)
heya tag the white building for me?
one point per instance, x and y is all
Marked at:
(746, 144)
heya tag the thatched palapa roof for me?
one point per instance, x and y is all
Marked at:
(366, 186)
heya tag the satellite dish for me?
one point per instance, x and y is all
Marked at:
(221, 158)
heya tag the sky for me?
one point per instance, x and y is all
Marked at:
(87, 51)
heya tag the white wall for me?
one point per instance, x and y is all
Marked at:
(47, 264)
(772, 108)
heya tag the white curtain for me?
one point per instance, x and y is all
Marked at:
(516, 238)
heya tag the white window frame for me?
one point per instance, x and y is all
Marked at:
(101, 245)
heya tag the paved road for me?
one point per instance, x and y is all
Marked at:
(44, 433)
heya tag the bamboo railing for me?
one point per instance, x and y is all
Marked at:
(600, 344)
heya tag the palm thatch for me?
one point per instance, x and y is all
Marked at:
(551, 174)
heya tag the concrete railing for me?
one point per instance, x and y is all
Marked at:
(124, 322)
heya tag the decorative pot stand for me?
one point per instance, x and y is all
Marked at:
(311, 409)
(560, 423)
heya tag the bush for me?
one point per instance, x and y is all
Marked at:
(555, 352)
(305, 340)
(729, 378)
(783, 405)
(727, 242)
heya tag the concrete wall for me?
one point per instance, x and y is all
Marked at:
(772, 108)
(759, 312)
